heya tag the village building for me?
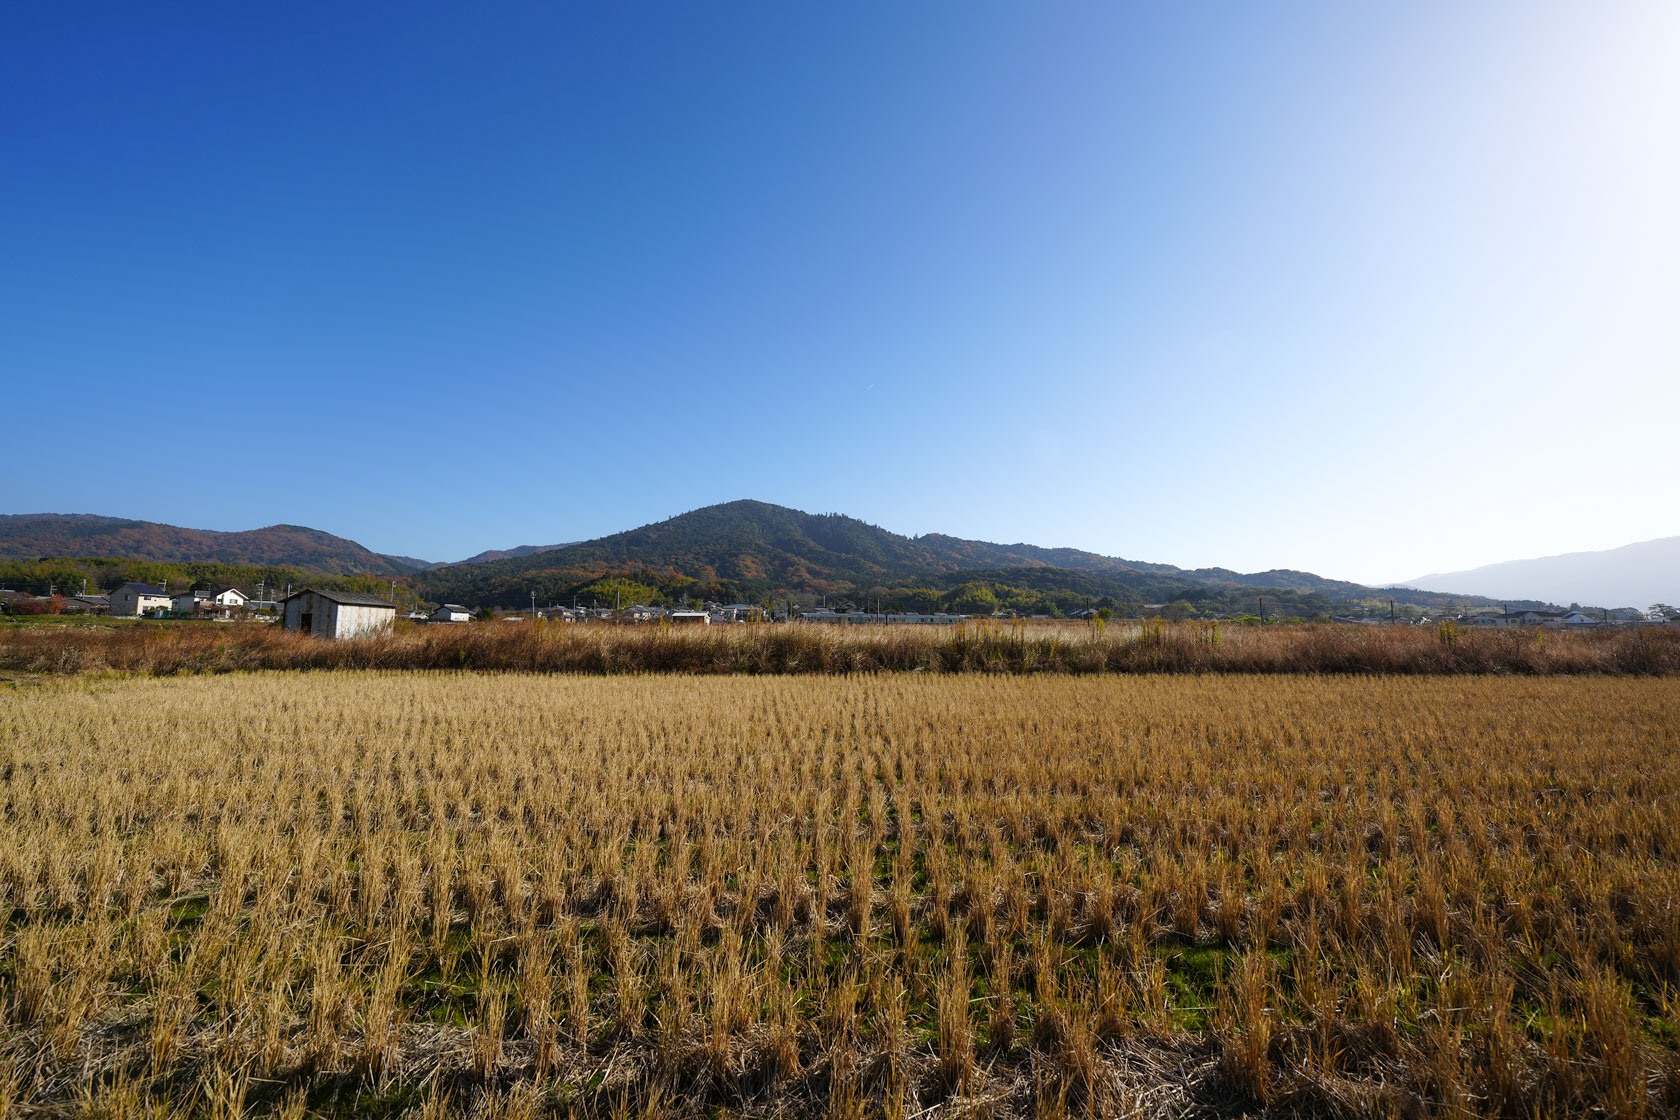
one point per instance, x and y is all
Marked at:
(690, 618)
(189, 602)
(230, 598)
(337, 614)
(739, 612)
(452, 612)
(86, 604)
(864, 618)
(133, 599)
(1536, 618)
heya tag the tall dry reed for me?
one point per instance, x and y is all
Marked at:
(168, 649)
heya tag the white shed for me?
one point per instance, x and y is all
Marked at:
(452, 612)
(337, 614)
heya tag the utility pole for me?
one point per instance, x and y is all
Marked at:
(533, 604)
(1391, 610)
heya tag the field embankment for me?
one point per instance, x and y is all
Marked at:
(910, 895)
(166, 649)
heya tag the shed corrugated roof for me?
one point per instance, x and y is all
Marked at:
(345, 598)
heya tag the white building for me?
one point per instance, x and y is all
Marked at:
(337, 614)
(452, 612)
(868, 618)
(137, 598)
(1536, 618)
(690, 618)
(740, 612)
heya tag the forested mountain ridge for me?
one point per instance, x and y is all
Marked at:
(738, 551)
(780, 549)
(755, 551)
(490, 554)
(36, 535)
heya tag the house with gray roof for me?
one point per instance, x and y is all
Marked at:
(138, 598)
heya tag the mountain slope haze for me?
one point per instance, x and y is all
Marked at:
(1635, 575)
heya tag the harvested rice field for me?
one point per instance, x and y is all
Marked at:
(436, 894)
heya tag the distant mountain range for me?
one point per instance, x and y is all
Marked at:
(1635, 575)
(752, 550)
(748, 550)
(28, 536)
(498, 554)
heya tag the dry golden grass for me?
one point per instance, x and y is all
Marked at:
(169, 648)
(520, 895)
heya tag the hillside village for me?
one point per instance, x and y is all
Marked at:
(333, 613)
(735, 562)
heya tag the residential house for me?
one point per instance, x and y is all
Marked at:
(452, 612)
(189, 602)
(690, 618)
(224, 603)
(337, 614)
(133, 599)
(86, 604)
(1535, 618)
(868, 617)
(231, 598)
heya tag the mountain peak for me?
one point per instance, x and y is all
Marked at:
(85, 534)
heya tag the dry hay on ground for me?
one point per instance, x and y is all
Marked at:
(362, 893)
(988, 646)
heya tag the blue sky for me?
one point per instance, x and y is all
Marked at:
(1366, 290)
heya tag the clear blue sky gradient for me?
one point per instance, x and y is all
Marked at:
(1368, 290)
